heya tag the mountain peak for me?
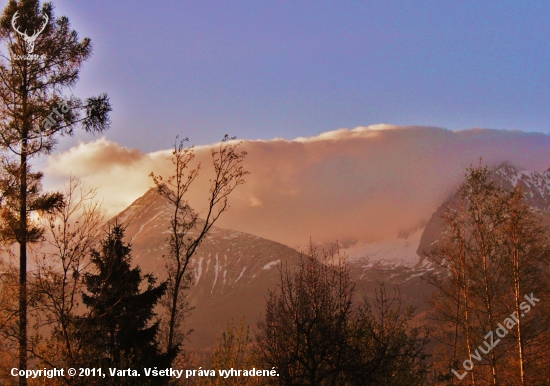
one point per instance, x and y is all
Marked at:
(232, 271)
(535, 184)
(151, 199)
(508, 166)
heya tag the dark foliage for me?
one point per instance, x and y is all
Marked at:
(120, 329)
(313, 334)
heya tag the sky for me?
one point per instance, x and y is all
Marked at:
(288, 69)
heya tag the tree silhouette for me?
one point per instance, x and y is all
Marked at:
(187, 230)
(314, 334)
(119, 328)
(34, 111)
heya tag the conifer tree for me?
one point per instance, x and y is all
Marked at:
(119, 327)
(38, 68)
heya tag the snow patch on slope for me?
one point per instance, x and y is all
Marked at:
(216, 271)
(400, 252)
(271, 264)
(198, 271)
(143, 226)
(241, 275)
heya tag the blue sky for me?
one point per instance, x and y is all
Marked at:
(266, 69)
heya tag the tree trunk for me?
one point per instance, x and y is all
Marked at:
(517, 297)
(23, 268)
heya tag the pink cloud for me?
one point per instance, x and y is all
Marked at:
(366, 183)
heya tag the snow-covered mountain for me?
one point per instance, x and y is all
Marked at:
(537, 193)
(400, 252)
(233, 271)
(392, 261)
(403, 260)
(535, 184)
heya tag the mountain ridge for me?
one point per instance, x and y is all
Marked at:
(232, 270)
(537, 193)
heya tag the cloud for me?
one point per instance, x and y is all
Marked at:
(367, 183)
(119, 173)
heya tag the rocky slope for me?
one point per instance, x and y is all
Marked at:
(232, 271)
(537, 193)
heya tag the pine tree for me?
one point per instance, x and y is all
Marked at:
(38, 68)
(120, 328)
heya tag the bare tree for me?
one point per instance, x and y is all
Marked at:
(492, 253)
(451, 304)
(234, 350)
(314, 334)
(526, 246)
(71, 232)
(306, 327)
(385, 350)
(187, 229)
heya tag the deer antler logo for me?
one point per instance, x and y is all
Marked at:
(29, 40)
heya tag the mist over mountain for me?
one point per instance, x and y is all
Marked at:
(368, 183)
(375, 190)
(232, 270)
(535, 184)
